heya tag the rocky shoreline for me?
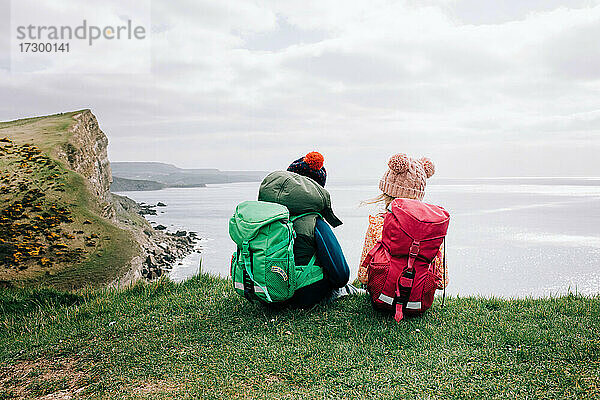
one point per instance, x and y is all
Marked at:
(169, 252)
(161, 250)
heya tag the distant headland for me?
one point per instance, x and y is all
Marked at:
(133, 176)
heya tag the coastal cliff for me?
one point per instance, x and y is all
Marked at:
(59, 223)
(86, 152)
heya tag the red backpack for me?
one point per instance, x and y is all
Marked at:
(400, 271)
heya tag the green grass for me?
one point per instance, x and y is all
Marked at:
(200, 340)
(47, 132)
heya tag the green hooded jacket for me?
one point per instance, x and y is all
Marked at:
(301, 195)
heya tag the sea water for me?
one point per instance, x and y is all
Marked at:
(510, 239)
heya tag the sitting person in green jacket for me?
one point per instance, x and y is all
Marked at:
(308, 202)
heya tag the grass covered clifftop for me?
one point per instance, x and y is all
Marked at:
(199, 339)
(57, 222)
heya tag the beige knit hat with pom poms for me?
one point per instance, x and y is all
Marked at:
(406, 177)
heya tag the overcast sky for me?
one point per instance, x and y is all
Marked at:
(484, 88)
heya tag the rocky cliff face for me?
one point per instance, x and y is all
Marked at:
(86, 153)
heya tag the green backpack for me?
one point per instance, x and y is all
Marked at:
(263, 266)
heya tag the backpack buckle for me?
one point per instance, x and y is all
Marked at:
(414, 249)
(246, 249)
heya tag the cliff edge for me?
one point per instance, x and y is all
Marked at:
(59, 223)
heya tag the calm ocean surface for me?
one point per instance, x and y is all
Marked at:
(511, 239)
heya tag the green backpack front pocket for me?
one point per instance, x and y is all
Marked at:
(280, 278)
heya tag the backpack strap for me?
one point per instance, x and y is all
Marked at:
(371, 254)
(399, 282)
(248, 269)
(405, 283)
(412, 254)
(444, 278)
(309, 275)
(304, 215)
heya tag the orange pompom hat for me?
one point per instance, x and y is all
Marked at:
(314, 159)
(406, 176)
(311, 166)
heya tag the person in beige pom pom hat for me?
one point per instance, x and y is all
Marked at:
(406, 177)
